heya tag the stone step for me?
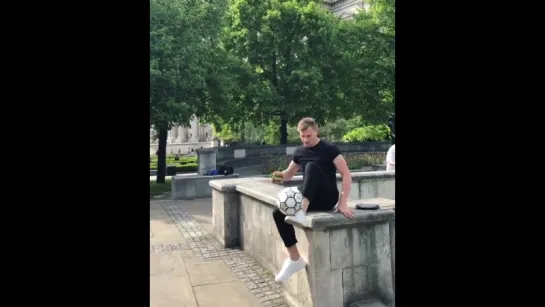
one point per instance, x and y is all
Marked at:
(368, 303)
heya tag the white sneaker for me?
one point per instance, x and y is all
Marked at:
(289, 268)
(299, 217)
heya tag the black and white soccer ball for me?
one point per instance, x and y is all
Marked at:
(290, 201)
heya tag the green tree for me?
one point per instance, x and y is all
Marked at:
(290, 49)
(272, 134)
(369, 61)
(249, 133)
(227, 133)
(334, 130)
(183, 40)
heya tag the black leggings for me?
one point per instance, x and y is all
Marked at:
(322, 194)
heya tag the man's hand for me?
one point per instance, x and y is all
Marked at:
(346, 211)
(277, 177)
(278, 174)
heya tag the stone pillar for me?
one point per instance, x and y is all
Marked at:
(179, 137)
(226, 216)
(183, 134)
(194, 129)
(206, 160)
(173, 134)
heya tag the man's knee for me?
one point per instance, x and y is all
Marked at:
(277, 215)
(312, 168)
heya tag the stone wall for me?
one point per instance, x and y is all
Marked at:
(194, 186)
(257, 151)
(348, 260)
(180, 148)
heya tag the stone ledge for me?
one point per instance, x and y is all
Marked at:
(348, 260)
(212, 177)
(359, 176)
(227, 185)
(208, 149)
(230, 185)
(260, 188)
(333, 220)
(195, 186)
(265, 191)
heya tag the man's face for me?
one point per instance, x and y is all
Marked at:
(309, 137)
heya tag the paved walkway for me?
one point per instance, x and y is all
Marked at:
(189, 268)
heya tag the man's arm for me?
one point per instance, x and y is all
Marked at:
(342, 168)
(289, 172)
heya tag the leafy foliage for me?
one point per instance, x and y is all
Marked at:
(183, 36)
(183, 63)
(368, 133)
(253, 68)
(290, 48)
(368, 58)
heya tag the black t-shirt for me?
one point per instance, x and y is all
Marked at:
(323, 153)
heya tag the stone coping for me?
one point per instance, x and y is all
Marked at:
(263, 190)
(207, 149)
(359, 176)
(230, 185)
(193, 177)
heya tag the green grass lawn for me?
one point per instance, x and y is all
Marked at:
(156, 189)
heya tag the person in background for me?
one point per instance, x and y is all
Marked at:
(391, 158)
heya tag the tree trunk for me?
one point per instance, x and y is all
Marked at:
(283, 131)
(242, 136)
(162, 155)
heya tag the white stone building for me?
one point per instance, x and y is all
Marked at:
(344, 8)
(184, 140)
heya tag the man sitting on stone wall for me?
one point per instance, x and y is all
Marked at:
(320, 160)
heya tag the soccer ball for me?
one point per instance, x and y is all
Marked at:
(290, 201)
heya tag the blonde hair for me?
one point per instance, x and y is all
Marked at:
(307, 122)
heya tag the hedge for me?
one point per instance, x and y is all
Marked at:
(187, 168)
(354, 160)
(184, 164)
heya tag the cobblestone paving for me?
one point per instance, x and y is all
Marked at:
(205, 247)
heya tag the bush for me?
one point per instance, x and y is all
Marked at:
(184, 162)
(368, 133)
(354, 160)
(187, 168)
(358, 160)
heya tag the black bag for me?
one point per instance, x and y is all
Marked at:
(229, 170)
